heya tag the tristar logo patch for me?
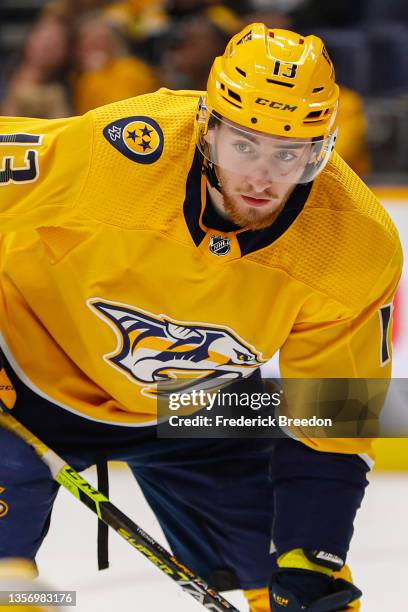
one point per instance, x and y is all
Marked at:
(220, 246)
(138, 138)
(157, 349)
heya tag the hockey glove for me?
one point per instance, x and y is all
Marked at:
(315, 592)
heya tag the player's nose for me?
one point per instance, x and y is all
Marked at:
(260, 178)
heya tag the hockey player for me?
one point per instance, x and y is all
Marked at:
(177, 234)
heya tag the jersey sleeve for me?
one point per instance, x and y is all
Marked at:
(44, 164)
(337, 363)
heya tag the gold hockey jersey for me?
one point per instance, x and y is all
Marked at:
(111, 282)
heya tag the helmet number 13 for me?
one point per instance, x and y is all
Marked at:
(285, 70)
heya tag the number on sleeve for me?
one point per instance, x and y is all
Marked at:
(10, 172)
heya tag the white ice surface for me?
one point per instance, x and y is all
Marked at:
(67, 559)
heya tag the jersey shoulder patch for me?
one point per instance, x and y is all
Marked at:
(139, 138)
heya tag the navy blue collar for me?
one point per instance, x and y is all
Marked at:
(249, 240)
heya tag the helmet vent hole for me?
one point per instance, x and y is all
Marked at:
(248, 36)
(242, 72)
(233, 103)
(317, 89)
(301, 41)
(275, 82)
(313, 115)
(234, 95)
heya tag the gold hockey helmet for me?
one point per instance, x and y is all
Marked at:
(275, 83)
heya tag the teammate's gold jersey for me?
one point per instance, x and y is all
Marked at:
(111, 281)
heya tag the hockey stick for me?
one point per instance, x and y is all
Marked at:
(66, 476)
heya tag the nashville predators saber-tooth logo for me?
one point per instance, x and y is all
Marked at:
(156, 349)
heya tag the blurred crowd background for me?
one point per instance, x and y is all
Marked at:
(65, 57)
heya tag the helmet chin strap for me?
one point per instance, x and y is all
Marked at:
(211, 174)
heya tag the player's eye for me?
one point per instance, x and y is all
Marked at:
(284, 155)
(244, 147)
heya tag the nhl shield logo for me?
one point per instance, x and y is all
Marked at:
(219, 245)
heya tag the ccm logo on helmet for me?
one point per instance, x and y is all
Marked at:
(272, 104)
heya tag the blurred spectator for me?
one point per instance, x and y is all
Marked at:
(186, 62)
(140, 17)
(274, 13)
(105, 71)
(194, 40)
(271, 19)
(140, 21)
(240, 7)
(178, 9)
(305, 16)
(143, 22)
(150, 24)
(226, 20)
(71, 10)
(36, 87)
(351, 141)
(280, 6)
(312, 14)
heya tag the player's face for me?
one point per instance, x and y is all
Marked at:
(257, 173)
